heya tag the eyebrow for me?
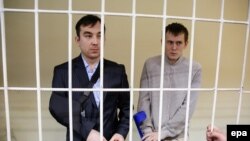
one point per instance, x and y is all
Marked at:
(87, 32)
(174, 41)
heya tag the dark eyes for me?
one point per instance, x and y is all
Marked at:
(178, 43)
(91, 35)
(88, 35)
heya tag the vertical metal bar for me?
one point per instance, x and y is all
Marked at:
(5, 79)
(162, 66)
(132, 65)
(190, 71)
(38, 85)
(244, 66)
(70, 69)
(102, 67)
(218, 63)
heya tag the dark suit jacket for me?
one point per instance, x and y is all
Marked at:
(114, 120)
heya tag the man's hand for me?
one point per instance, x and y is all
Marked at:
(117, 137)
(215, 135)
(94, 136)
(150, 136)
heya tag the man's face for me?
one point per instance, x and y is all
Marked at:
(174, 46)
(89, 41)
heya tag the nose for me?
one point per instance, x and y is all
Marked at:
(174, 46)
(95, 40)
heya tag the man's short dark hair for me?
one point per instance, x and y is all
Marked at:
(86, 21)
(176, 29)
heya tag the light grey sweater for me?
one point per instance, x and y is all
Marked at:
(174, 102)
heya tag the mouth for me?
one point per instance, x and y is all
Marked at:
(173, 54)
(95, 50)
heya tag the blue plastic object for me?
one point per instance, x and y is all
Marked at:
(139, 118)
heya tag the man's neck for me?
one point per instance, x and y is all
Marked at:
(172, 62)
(91, 62)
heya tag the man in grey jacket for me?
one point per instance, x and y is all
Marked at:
(176, 74)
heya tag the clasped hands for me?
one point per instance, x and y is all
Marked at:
(153, 136)
(95, 136)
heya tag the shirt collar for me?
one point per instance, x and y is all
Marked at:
(86, 65)
(177, 62)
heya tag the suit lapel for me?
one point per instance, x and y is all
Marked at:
(82, 77)
(105, 80)
(92, 98)
(80, 72)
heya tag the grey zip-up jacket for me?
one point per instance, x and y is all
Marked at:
(174, 101)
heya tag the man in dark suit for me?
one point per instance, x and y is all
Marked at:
(86, 115)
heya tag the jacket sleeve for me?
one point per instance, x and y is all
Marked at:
(177, 123)
(124, 106)
(59, 98)
(86, 126)
(59, 102)
(144, 102)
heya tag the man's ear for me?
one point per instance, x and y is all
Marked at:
(77, 39)
(186, 43)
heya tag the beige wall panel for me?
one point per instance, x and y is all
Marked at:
(20, 49)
